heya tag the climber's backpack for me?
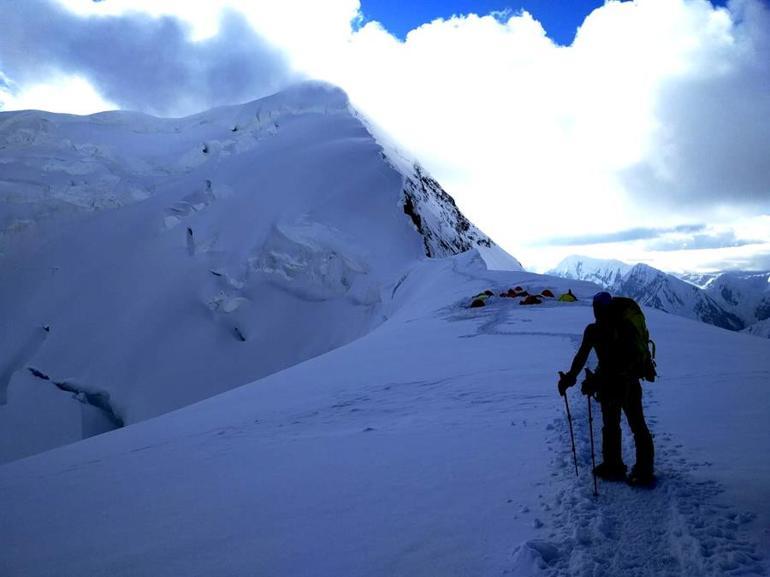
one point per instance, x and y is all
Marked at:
(629, 319)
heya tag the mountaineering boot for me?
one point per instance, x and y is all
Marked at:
(610, 471)
(641, 477)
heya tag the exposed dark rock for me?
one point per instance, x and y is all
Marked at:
(444, 229)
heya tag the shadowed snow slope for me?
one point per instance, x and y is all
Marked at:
(152, 263)
(434, 445)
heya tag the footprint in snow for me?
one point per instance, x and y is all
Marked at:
(676, 529)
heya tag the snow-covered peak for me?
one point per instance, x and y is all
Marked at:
(311, 94)
(604, 272)
(644, 273)
(56, 164)
(161, 261)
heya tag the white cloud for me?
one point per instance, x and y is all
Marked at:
(74, 95)
(537, 140)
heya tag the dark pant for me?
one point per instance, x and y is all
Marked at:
(628, 399)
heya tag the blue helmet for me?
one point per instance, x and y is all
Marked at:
(602, 299)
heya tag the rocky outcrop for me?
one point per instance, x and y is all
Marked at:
(444, 229)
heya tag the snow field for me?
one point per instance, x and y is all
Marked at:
(682, 527)
(436, 444)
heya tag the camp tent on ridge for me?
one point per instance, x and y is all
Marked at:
(479, 300)
(568, 297)
(531, 300)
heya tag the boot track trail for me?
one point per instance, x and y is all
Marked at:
(678, 528)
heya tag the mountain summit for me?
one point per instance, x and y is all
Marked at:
(162, 261)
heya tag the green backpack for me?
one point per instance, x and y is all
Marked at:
(626, 310)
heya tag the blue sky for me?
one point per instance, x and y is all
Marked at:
(560, 18)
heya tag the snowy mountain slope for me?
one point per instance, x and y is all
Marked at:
(746, 294)
(434, 445)
(698, 279)
(650, 287)
(156, 262)
(662, 291)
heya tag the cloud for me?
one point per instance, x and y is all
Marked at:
(71, 94)
(655, 114)
(138, 61)
(726, 239)
(758, 260)
(627, 235)
(713, 136)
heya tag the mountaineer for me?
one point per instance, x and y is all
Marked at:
(620, 338)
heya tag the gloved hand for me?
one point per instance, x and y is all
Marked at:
(588, 388)
(566, 380)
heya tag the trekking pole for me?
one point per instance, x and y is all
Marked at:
(593, 457)
(571, 433)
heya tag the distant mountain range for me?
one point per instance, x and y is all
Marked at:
(746, 294)
(732, 300)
